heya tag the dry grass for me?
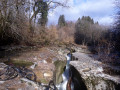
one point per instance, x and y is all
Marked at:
(20, 32)
(66, 34)
(84, 47)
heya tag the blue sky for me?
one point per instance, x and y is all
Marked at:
(77, 2)
(100, 10)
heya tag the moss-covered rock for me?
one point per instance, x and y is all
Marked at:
(19, 63)
(59, 69)
(98, 83)
(43, 76)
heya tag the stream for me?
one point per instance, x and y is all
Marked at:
(80, 82)
(81, 74)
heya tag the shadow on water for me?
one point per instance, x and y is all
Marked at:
(79, 83)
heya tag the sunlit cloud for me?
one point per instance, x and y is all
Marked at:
(99, 10)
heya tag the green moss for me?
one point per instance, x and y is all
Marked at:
(29, 83)
(44, 81)
(19, 63)
(94, 81)
(59, 65)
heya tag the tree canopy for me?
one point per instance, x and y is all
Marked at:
(61, 21)
(87, 31)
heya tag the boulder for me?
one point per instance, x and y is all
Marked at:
(59, 69)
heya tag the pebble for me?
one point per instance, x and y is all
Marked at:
(35, 58)
(47, 75)
(44, 61)
(33, 66)
(86, 70)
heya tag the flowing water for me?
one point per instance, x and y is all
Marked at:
(71, 73)
(65, 75)
(84, 83)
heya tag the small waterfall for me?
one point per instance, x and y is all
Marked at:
(71, 77)
(66, 74)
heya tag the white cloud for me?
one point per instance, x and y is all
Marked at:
(99, 10)
(106, 20)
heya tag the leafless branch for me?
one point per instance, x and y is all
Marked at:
(57, 4)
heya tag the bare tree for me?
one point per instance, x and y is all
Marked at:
(13, 20)
(43, 6)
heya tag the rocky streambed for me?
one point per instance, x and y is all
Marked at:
(50, 62)
(91, 72)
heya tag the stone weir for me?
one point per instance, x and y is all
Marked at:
(91, 73)
(87, 73)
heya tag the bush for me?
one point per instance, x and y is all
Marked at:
(13, 29)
